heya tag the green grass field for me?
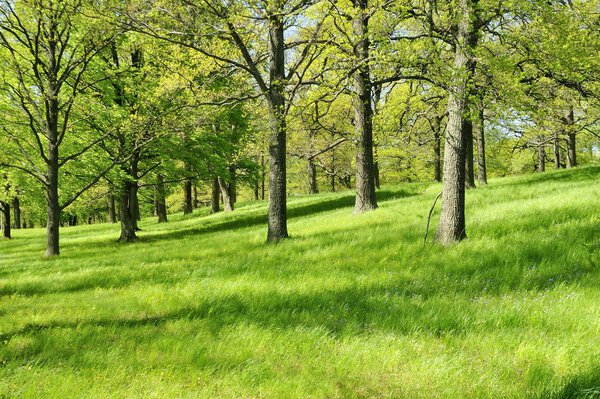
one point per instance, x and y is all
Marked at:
(351, 306)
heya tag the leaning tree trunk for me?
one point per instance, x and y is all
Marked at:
(363, 115)
(161, 202)
(127, 218)
(481, 162)
(571, 139)
(451, 227)
(277, 224)
(16, 213)
(214, 202)
(226, 195)
(5, 208)
(469, 154)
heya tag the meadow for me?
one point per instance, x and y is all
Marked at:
(352, 306)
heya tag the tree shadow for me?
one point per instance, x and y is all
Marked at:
(583, 386)
(579, 174)
(235, 222)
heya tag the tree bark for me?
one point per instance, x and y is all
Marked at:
(225, 195)
(451, 227)
(469, 154)
(312, 176)
(16, 212)
(187, 197)
(277, 219)
(161, 202)
(5, 208)
(112, 215)
(363, 114)
(214, 203)
(127, 218)
(571, 150)
(481, 161)
(541, 158)
(52, 199)
(556, 152)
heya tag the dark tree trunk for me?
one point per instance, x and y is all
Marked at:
(187, 197)
(277, 224)
(363, 113)
(225, 194)
(5, 208)
(232, 185)
(112, 215)
(571, 150)
(127, 218)
(556, 152)
(16, 212)
(214, 203)
(541, 158)
(312, 176)
(52, 200)
(161, 202)
(481, 162)
(376, 175)
(196, 196)
(469, 154)
(451, 227)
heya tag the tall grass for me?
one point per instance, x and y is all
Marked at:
(351, 306)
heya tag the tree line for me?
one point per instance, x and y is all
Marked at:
(111, 109)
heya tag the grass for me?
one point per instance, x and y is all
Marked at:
(351, 306)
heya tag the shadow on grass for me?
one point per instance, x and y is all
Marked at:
(584, 386)
(241, 222)
(575, 175)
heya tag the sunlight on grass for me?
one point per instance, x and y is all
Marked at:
(351, 306)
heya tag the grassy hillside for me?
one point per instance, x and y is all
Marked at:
(351, 306)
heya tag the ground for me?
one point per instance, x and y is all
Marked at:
(350, 306)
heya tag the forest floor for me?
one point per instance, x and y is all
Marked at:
(350, 306)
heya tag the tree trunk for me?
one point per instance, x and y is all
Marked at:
(196, 202)
(469, 154)
(127, 218)
(232, 185)
(451, 227)
(214, 203)
(161, 202)
(112, 215)
(52, 200)
(16, 213)
(312, 176)
(187, 197)
(571, 150)
(5, 208)
(481, 162)
(363, 115)
(541, 158)
(225, 194)
(277, 224)
(556, 152)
